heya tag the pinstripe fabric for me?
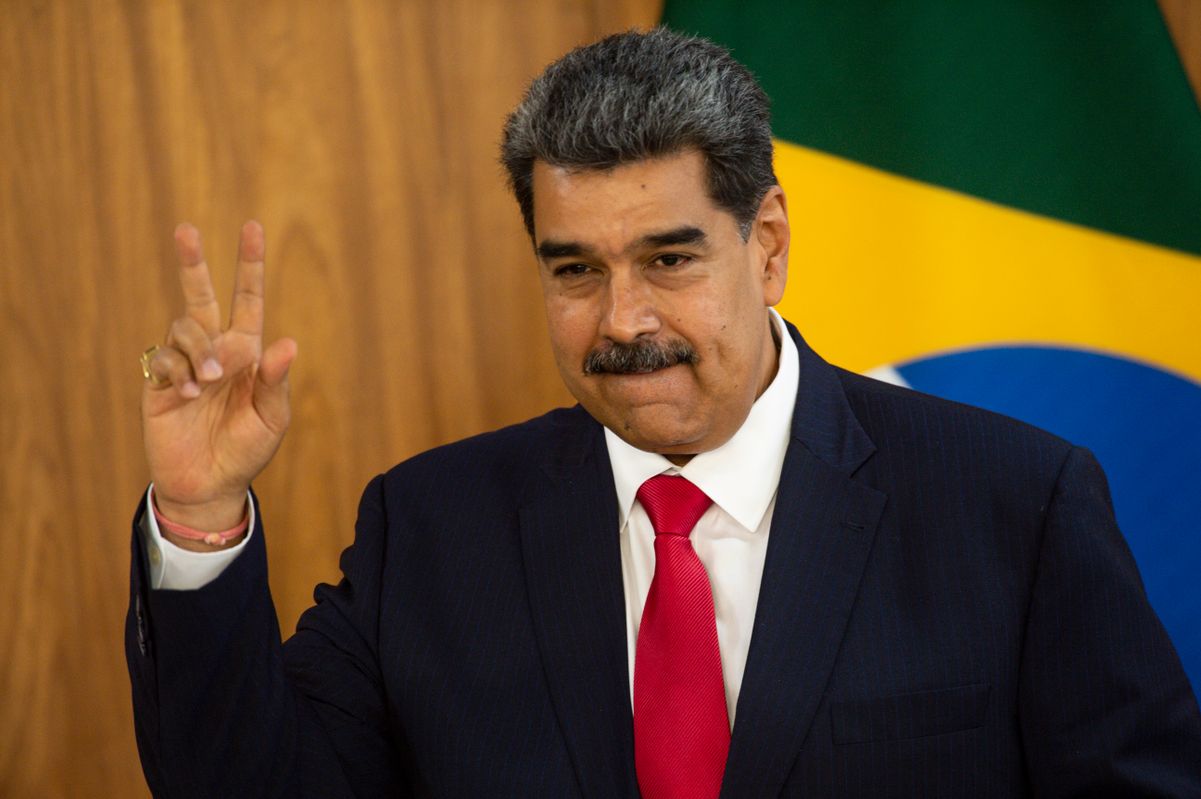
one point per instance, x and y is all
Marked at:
(947, 609)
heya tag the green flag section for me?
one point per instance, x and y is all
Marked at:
(1080, 112)
(1000, 202)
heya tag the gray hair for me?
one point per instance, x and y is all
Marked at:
(635, 95)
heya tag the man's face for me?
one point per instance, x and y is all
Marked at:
(657, 307)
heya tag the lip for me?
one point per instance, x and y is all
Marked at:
(666, 379)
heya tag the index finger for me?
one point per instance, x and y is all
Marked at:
(246, 313)
(199, 298)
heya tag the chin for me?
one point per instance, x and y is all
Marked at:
(649, 432)
(645, 415)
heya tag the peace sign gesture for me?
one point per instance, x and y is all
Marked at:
(215, 406)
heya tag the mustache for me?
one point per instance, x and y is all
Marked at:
(639, 357)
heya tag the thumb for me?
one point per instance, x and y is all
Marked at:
(271, 383)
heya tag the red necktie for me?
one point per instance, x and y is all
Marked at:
(681, 727)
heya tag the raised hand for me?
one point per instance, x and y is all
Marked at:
(216, 406)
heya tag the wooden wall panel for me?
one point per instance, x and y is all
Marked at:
(364, 136)
(1183, 18)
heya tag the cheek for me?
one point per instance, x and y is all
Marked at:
(735, 340)
(571, 333)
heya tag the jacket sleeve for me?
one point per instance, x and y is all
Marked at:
(1105, 706)
(221, 708)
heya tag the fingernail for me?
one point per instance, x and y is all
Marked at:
(190, 390)
(210, 369)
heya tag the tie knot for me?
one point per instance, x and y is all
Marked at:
(673, 504)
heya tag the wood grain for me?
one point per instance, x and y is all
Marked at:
(1183, 18)
(364, 136)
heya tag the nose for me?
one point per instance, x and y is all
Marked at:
(630, 310)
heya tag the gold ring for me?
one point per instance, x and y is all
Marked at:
(154, 379)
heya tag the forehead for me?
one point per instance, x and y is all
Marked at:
(606, 209)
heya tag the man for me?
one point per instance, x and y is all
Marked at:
(731, 569)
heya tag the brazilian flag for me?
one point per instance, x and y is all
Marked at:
(1000, 202)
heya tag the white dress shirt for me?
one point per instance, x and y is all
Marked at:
(178, 569)
(730, 539)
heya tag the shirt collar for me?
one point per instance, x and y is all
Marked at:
(741, 475)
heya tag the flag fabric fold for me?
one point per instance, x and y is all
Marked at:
(1000, 203)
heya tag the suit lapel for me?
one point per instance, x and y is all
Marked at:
(822, 531)
(572, 563)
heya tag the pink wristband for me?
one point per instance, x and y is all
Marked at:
(218, 539)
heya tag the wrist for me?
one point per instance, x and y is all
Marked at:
(214, 516)
(197, 545)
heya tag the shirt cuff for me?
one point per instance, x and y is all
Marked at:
(177, 569)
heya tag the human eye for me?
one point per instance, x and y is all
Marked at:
(571, 270)
(672, 260)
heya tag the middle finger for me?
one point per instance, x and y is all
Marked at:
(246, 312)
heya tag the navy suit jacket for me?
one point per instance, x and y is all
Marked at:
(947, 609)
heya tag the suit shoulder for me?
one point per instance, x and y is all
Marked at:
(890, 414)
(502, 457)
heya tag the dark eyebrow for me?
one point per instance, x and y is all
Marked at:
(670, 238)
(559, 249)
(687, 234)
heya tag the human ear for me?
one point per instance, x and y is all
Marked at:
(772, 234)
